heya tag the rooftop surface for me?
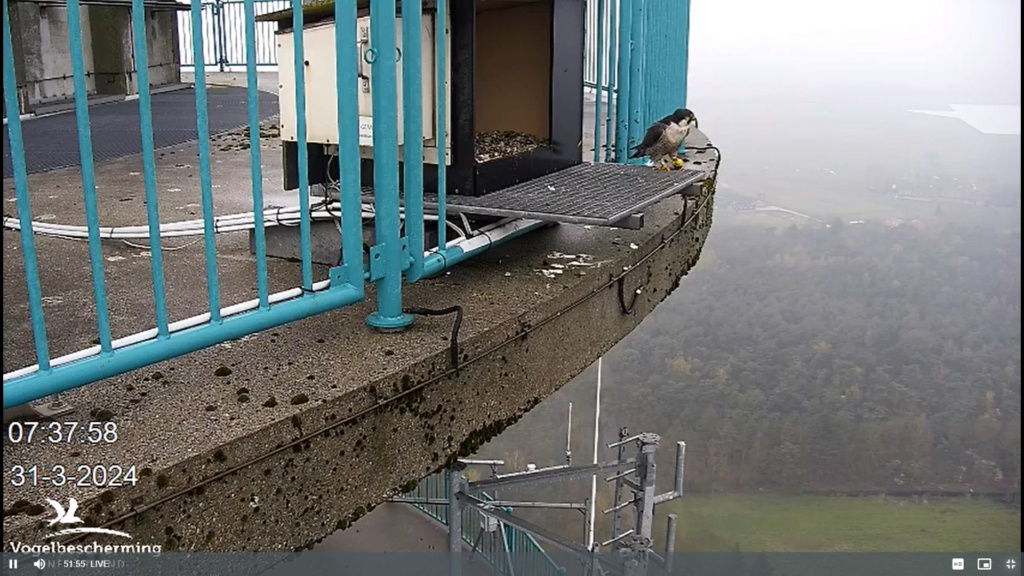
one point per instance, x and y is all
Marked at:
(264, 418)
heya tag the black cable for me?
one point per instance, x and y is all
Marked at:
(457, 310)
(626, 310)
(326, 204)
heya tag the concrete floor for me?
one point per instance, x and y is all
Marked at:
(321, 417)
(266, 81)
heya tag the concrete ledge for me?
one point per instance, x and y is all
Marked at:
(69, 105)
(61, 106)
(277, 440)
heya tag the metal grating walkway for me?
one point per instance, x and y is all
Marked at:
(598, 194)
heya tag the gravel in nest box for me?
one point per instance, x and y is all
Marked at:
(493, 145)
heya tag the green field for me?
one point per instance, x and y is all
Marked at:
(776, 523)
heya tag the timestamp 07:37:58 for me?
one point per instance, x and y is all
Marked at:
(61, 433)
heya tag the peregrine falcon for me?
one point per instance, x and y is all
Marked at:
(662, 140)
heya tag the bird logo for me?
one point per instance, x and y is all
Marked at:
(69, 516)
(65, 516)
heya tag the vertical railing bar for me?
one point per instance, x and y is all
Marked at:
(349, 191)
(184, 38)
(205, 187)
(222, 36)
(300, 142)
(240, 33)
(88, 175)
(636, 64)
(440, 36)
(207, 22)
(384, 94)
(412, 103)
(236, 36)
(217, 26)
(229, 25)
(253, 109)
(622, 83)
(612, 75)
(686, 49)
(597, 85)
(214, 31)
(28, 247)
(148, 163)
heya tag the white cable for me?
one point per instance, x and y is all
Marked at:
(511, 227)
(289, 216)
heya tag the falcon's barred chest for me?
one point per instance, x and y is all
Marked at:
(671, 137)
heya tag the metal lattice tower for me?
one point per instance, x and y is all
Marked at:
(631, 550)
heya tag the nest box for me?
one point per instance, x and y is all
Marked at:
(514, 92)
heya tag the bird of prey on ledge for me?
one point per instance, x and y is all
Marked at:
(662, 140)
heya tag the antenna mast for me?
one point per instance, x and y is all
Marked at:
(593, 479)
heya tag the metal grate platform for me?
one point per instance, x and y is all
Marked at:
(597, 194)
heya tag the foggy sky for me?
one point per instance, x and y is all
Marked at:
(809, 85)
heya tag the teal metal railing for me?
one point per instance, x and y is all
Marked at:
(528, 558)
(637, 31)
(389, 259)
(223, 27)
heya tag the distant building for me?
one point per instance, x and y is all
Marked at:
(42, 56)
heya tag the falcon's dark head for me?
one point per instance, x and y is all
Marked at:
(683, 116)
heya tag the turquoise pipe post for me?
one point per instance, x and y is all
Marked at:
(300, 143)
(438, 262)
(149, 164)
(256, 172)
(28, 246)
(205, 187)
(622, 81)
(441, 129)
(412, 149)
(386, 258)
(613, 9)
(685, 58)
(664, 87)
(346, 63)
(635, 131)
(92, 220)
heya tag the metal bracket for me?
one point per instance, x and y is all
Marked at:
(364, 40)
(338, 275)
(377, 259)
(631, 222)
(50, 410)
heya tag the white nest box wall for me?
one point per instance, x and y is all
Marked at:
(321, 87)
